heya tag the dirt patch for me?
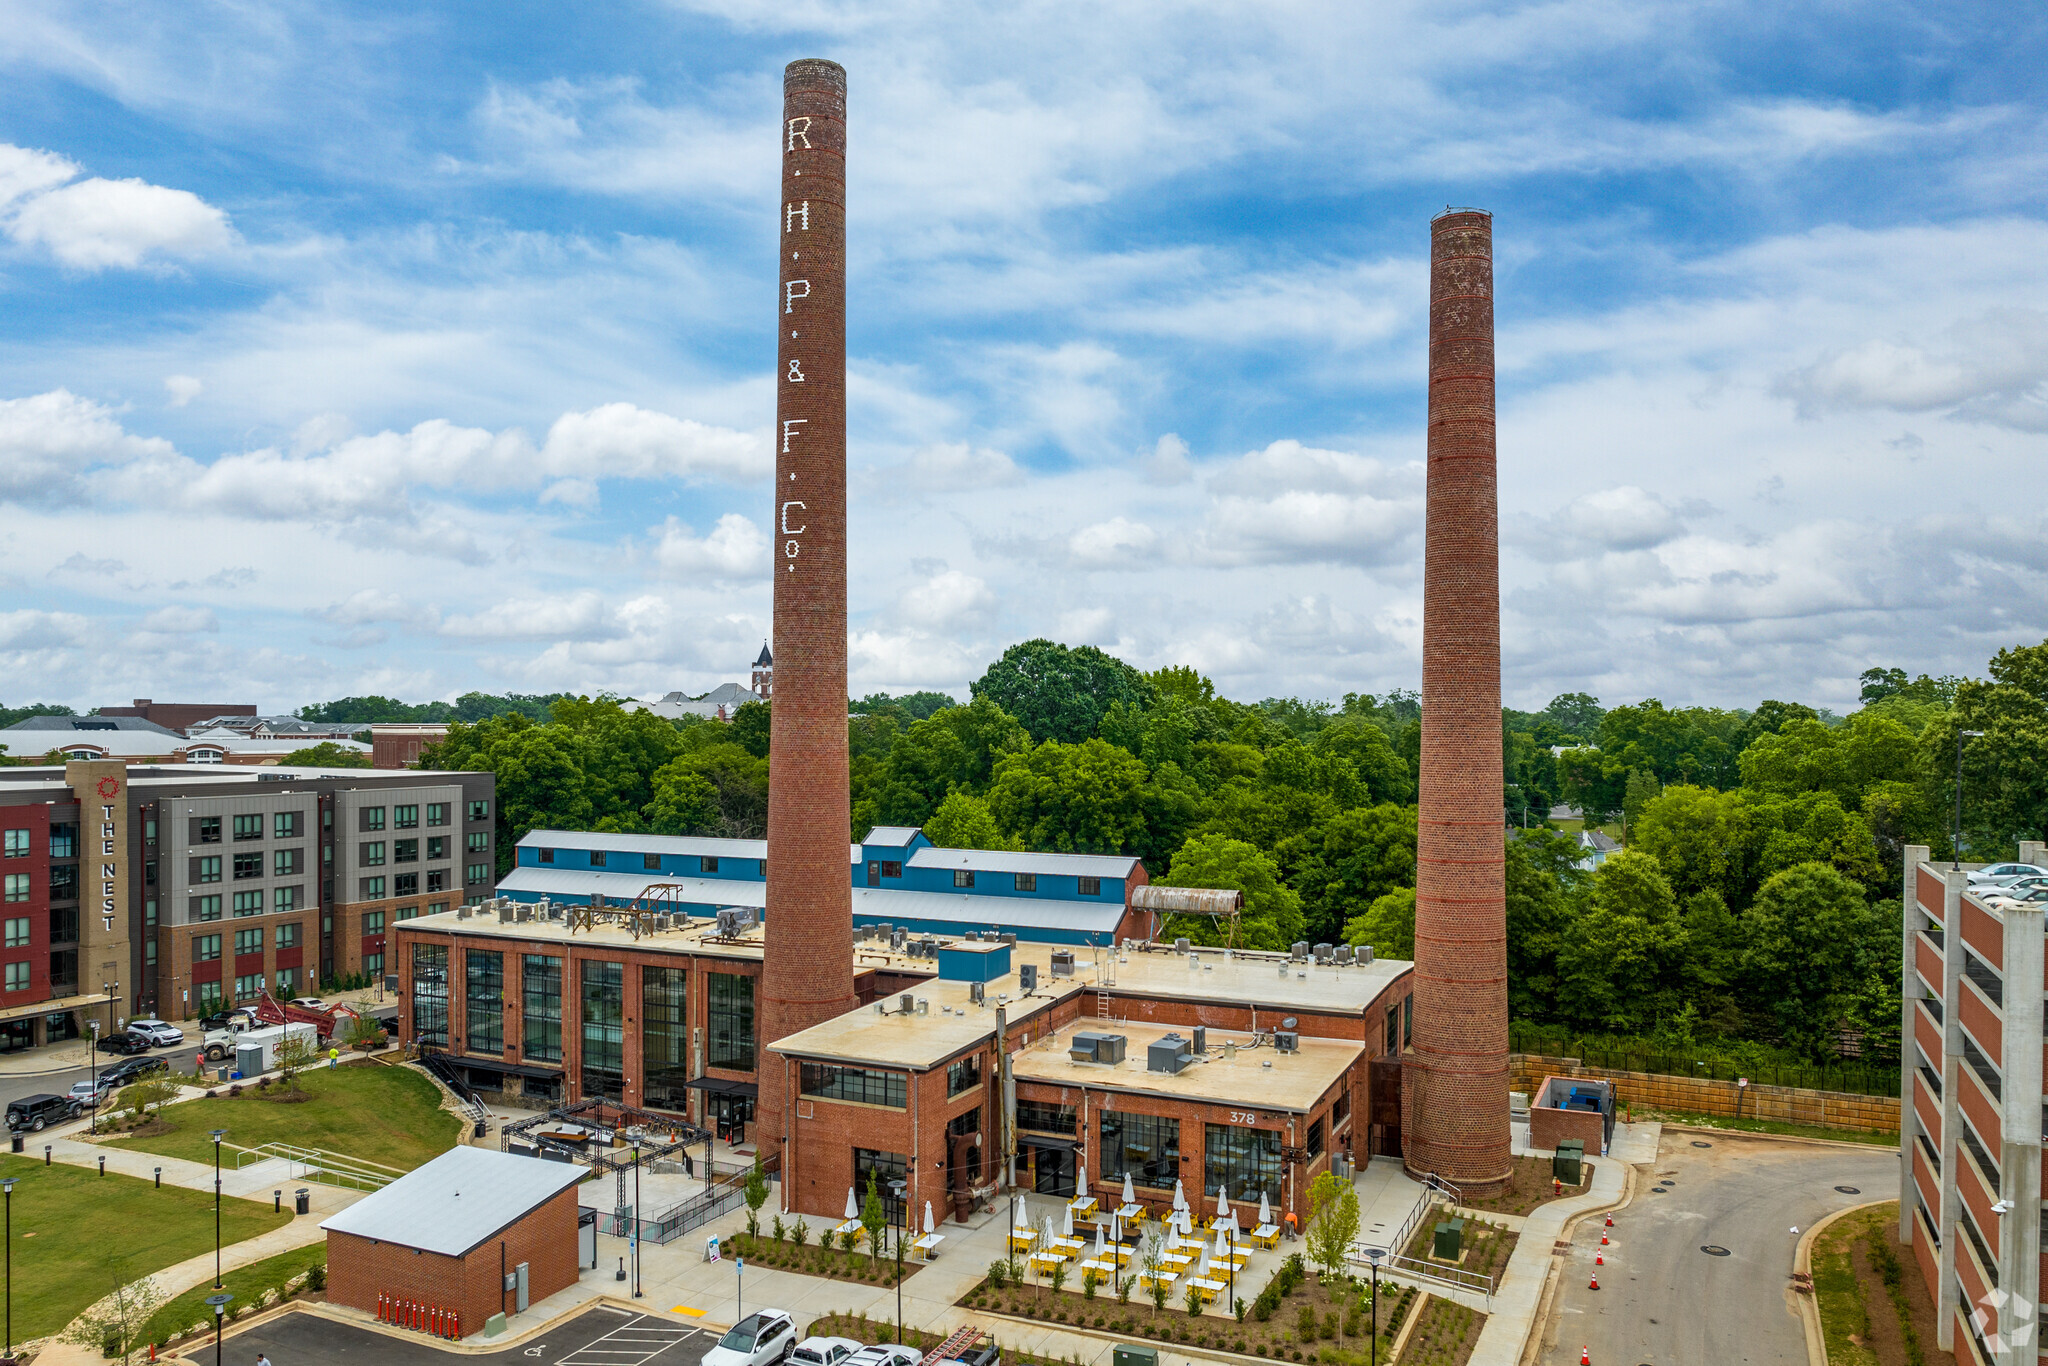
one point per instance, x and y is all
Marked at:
(1444, 1336)
(1487, 1247)
(1875, 1308)
(285, 1096)
(835, 1263)
(1529, 1186)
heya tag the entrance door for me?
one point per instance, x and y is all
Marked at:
(1052, 1171)
(1383, 1081)
(874, 872)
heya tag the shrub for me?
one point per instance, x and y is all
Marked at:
(1239, 1307)
(776, 1230)
(1193, 1300)
(1306, 1327)
(1091, 1281)
(1123, 1295)
(998, 1274)
(1330, 1324)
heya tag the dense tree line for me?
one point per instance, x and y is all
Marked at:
(1757, 896)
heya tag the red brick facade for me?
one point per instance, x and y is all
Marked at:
(808, 978)
(1456, 1108)
(361, 1269)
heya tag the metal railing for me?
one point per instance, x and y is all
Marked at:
(1448, 1277)
(690, 1215)
(321, 1167)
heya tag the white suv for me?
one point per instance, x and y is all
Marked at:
(160, 1033)
(759, 1339)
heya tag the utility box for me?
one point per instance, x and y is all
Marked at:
(1168, 1055)
(1134, 1354)
(1449, 1241)
(1568, 1165)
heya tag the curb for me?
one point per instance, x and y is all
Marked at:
(1547, 1301)
(355, 1318)
(1400, 1342)
(1780, 1138)
(1809, 1305)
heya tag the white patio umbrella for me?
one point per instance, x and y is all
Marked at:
(1101, 1245)
(1130, 1190)
(1048, 1233)
(1066, 1221)
(1222, 1230)
(1180, 1196)
(1265, 1210)
(1223, 1202)
(1081, 1179)
(1116, 1229)
(852, 1209)
(1202, 1273)
(928, 1226)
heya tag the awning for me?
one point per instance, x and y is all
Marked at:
(716, 1086)
(1057, 1144)
(56, 1007)
(510, 1069)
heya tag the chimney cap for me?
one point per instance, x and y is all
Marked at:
(1451, 209)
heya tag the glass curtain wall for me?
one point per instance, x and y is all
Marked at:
(541, 1013)
(665, 1038)
(604, 1033)
(483, 1013)
(430, 994)
(731, 1032)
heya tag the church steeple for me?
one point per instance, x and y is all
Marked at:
(764, 673)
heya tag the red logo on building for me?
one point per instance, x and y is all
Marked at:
(110, 787)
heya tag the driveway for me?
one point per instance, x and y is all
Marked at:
(599, 1336)
(1662, 1300)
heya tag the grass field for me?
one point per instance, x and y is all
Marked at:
(388, 1115)
(246, 1285)
(68, 1221)
(1768, 1126)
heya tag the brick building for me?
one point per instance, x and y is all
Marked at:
(1971, 1128)
(400, 745)
(133, 740)
(169, 889)
(661, 1014)
(179, 715)
(447, 1234)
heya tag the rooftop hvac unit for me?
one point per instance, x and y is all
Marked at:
(1168, 1055)
(1011, 940)
(504, 915)
(1322, 953)
(1283, 967)
(1180, 945)
(885, 930)
(1341, 954)
(462, 911)
(907, 1002)
(898, 938)
(1300, 950)
(1027, 976)
(1287, 1041)
(1201, 1040)
(1062, 963)
(977, 992)
(1365, 953)
(1194, 963)
(1091, 1046)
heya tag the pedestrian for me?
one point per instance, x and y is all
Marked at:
(262, 1359)
(333, 1061)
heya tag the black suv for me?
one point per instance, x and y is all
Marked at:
(124, 1044)
(35, 1112)
(132, 1069)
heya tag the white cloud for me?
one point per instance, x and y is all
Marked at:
(1167, 464)
(947, 601)
(1297, 504)
(1992, 368)
(37, 630)
(1104, 545)
(580, 616)
(182, 389)
(181, 619)
(1625, 518)
(95, 224)
(620, 441)
(49, 442)
(366, 606)
(947, 467)
(735, 549)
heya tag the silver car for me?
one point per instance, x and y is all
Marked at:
(1999, 874)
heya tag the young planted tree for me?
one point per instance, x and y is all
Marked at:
(1332, 1221)
(874, 1217)
(294, 1055)
(113, 1326)
(757, 1195)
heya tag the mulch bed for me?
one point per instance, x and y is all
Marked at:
(812, 1260)
(1487, 1247)
(1885, 1284)
(1529, 1187)
(1444, 1336)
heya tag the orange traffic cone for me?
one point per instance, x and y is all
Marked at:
(1610, 1221)
(1599, 1260)
(1585, 1356)
(1596, 1282)
(1603, 1240)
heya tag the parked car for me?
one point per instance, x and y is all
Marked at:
(124, 1044)
(756, 1340)
(160, 1033)
(225, 1019)
(823, 1351)
(885, 1354)
(1998, 874)
(90, 1095)
(308, 1003)
(2012, 896)
(132, 1069)
(40, 1111)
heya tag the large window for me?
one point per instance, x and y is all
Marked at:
(405, 884)
(963, 877)
(1145, 1147)
(249, 903)
(1046, 1119)
(405, 817)
(17, 976)
(206, 907)
(17, 933)
(731, 1021)
(371, 889)
(963, 1075)
(63, 839)
(205, 997)
(604, 1038)
(405, 851)
(370, 818)
(249, 827)
(248, 941)
(17, 886)
(665, 1038)
(1088, 886)
(437, 813)
(479, 872)
(429, 993)
(286, 863)
(477, 838)
(864, 1084)
(373, 922)
(483, 1011)
(249, 986)
(205, 830)
(1246, 1161)
(285, 899)
(1315, 1138)
(17, 844)
(371, 854)
(479, 842)
(437, 847)
(888, 1170)
(541, 1016)
(205, 948)
(63, 882)
(287, 826)
(288, 936)
(479, 811)
(206, 869)
(248, 866)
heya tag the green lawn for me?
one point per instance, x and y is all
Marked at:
(1768, 1126)
(388, 1115)
(246, 1285)
(70, 1221)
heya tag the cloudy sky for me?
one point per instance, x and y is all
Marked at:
(350, 348)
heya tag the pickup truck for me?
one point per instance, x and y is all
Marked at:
(220, 1043)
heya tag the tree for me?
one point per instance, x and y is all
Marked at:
(750, 728)
(963, 821)
(1388, 925)
(1615, 967)
(1332, 1221)
(1703, 840)
(874, 1216)
(1577, 714)
(294, 1055)
(1811, 943)
(1641, 790)
(756, 1193)
(685, 802)
(326, 754)
(114, 1326)
(1543, 875)
(1085, 798)
(1059, 693)
(1271, 918)
(1593, 782)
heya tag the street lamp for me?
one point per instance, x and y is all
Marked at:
(1372, 1327)
(219, 1305)
(8, 1187)
(92, 1066)
(1956, 862)
(636, 1221)
(218, 1135)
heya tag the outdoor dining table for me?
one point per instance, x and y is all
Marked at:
(1266, 1236)
(850, 1226)
(1046, 1260)
(1130, 1211)
(1069, 1245)
(928, 1246)
(1022, 1238)
(1106, 1268)
(1082, 1206)
(1209, 1289)
(1178, 1262)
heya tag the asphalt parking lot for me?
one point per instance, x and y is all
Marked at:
(599, 1336)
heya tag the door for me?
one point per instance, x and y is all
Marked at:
(1383, 1107)
(874, 872)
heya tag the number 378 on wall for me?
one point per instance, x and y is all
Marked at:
(1244, 1116)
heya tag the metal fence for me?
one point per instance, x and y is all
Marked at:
(1868, 1077)
(687, 1217)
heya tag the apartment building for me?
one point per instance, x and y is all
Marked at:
(1972, 1125)
(171, 889)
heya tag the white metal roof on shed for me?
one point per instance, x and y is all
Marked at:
(579, 883)
(1001, 861)
(694, 846)
(891, 836)
(458, 1200)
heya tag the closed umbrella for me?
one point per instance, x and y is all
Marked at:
(1048, 1233)
(1081, 1180)
(1101, 1246)
(1066, 1221)
(1221, 1230)
(1265, 1210)
(928, 1226)
(1222, 1202)
(1130, 1190)
(1180, 1197)
(852, 1209)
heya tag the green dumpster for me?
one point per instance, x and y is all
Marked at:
(1449, 1241)
(1134, 1354)
(1566, 1166)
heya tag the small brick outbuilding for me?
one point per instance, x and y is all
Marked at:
(446, 1234)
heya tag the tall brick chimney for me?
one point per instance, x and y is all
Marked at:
(807, 975)
(1457, 1102)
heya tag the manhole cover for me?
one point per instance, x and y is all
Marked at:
(1659, 1190)
(1714, 1249)
(1698, 1144)
(1850, 1190)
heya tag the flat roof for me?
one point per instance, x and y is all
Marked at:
(1257, 1075)
(456, 1201)
(698, 935)
(1005, 861)
(697, 845)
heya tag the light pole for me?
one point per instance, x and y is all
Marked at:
(218, 1135)
(1956, 862)
(8, 1187)
(219, 1305)
(92, 1047)
(1372, 1327)
(636, 1221)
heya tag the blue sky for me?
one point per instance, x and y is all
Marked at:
(346, 352)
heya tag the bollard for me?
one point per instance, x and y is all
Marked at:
(159, 1178)
(103, 1164)
(277, 1202)
(46, 1154)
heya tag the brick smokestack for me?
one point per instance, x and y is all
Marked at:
(1457, 1104)
(807, 975)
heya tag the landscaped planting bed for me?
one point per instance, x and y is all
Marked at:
(795, 1247)
(1530, 1186)
(1487, 1246)
(1444, 1335)
(869, 1331)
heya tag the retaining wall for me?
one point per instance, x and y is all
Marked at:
(1700, 1096)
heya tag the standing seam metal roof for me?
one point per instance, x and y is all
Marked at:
(456, 1201)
